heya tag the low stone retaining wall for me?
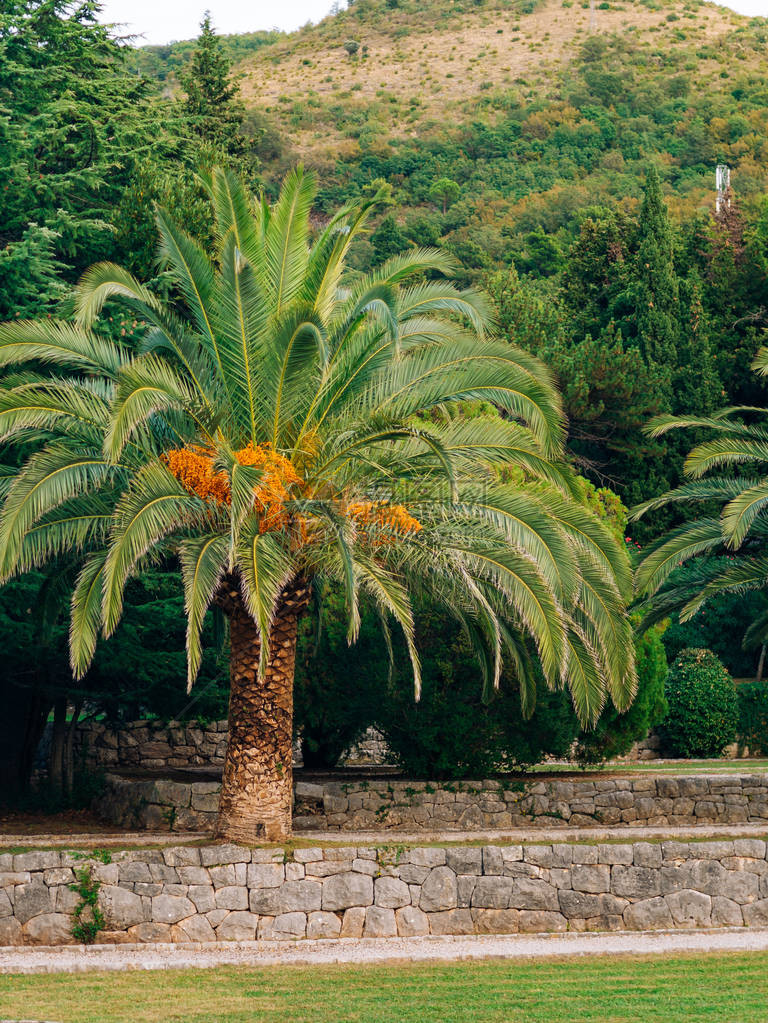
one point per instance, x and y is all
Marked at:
(177, 745)
(388, 804)
(230, 893)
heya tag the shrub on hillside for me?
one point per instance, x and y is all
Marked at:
(614, 733)
(753, 716)
(703, 710)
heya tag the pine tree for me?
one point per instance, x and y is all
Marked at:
(656, 289)
(212, 108)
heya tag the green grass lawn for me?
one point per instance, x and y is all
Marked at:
(747, 766)
(678, 989)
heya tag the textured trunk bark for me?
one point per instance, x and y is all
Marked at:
(257, 787)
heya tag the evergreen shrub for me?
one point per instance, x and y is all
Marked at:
(703, 709)
(753, 716)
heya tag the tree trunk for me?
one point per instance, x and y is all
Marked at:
(760, 665)
(257, 787)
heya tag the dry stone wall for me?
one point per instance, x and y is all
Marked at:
(192, 894)
(382, 804)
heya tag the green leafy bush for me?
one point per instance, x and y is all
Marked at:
(703, 710)
(753, 716)
(614, 733)
(451, 732)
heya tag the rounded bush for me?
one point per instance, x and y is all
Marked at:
(703, 709)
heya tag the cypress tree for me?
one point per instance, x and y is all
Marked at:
(212, 108)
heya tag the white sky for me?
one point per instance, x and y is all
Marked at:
(161, 21)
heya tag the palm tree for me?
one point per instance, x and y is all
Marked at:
(285, 421)
(725, 551)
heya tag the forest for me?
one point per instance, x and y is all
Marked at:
(578, 195)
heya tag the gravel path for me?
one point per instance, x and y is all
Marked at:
(374, 950)
(129, 840)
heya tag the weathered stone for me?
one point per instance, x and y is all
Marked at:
(591, 878)
(391, 893)
(726, 912)
(238, 926)
(264, 901)
(228, 874)
(648, 915)
(496, 921)
(492, 892)
(49, 929)
(635, 882)
(465, 885)
(411, 922)
(132, 872)
(541, 855)
(194, 928)
(323, 925)
(36, 861)
(192, 875)
(265, 875)
(493, 860)
(531, 894)
(752, 847)
(300, 896)
(57, 876)
(342, 891)
(352, 922)
(6, 909)
(327, 867)
(203, 897)
(451, 921)
(439, 890)
(294, 872)
(289, 926)
(379, 923)
(465, 859)
(219, 854)
(578, 905)
(427, 857)
(756, 913)
(169, 909)
(182, 856)
(65, 900)
(412, 873)
(30, 900)
(647, 854)
(149, 932)
(232, 897)
(611, 854)
(307, 855)
(535, 921)
(689, 908)
(370, 867)
(11, 932)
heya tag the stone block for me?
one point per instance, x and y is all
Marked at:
(756, 913)
(532, 894)
(121, 908)
(215, 855)
(161, 872)
(726, 912)
(203, 897)
(496, 921)
(412, 873)
(464, 859)
(379, 923)
(611, 854)
(451, 921)
(289, 926)
(57, 876)
(427, 857)
(648, 915)
(327, 867)
(323, 925)
(169, 909)
(411, 922)
(492, 892)
(493, 860)
(342, 891)
(6, 909)
(238, 926)
(148, 932)
(268, 856)
(369, 867)
(294, 872)
(136, 871)
(182, 856)
(31, 900)
(194, 928)
(541, 855)
(228, 874)
(264, 901)
(265, 875)
(231, 897)
(584, 853)
(465, 885)
(64, 899)
(591, 878)
(647, 854)
(307, 855)
(635, 882)
(541, 921)
(752, 847)
(353, 922)
(193, 875)
(36, 861)
(391, 893)
(690, 908)
(11, 932)
(300, 896)
(580, 906)
(49, 929)
(439, 890)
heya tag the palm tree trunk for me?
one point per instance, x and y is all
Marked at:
(257, 786)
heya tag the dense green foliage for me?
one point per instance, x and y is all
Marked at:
(614, 733)
(752, 730)
(703, 711)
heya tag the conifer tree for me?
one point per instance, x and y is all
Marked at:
(656, 289)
